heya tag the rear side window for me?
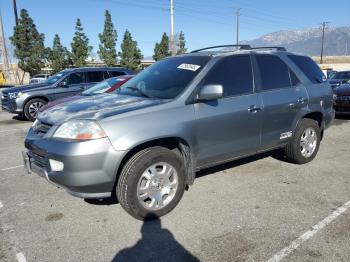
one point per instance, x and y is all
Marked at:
(116, 73)
(309, 68)
(94, 76)
(234, 73)
(274, 72)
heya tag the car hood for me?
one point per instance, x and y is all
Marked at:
(96, 107)
(24, 88)
(342, 90)
(60, 101)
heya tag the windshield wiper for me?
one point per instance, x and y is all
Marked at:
(134, 88)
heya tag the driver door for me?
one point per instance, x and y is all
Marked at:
(73, 84)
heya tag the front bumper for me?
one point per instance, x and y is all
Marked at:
(10, 105)
(90, 167)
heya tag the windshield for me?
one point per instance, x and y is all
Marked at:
(53, 79)
(340, 75)
(102, 87)
(165, 79)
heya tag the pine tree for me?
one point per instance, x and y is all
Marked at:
(161, 50)
(108, 39)
(58, 55)
(181, 44)
(130, 54)
(80, 46)
(28, 44)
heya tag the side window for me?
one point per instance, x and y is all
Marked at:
(234, 73)
(75, 78)
(274, 73)
(105, 75)
(94, 76)
(116, 73)
(293, 78)
(309, 68)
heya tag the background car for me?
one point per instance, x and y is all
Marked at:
(37, 79)
(106, 86)
(339, 78)
(27, 100)
(341, 98)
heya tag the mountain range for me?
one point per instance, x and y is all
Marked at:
(308, 41)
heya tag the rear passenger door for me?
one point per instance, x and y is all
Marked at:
(228, 127)
(94, 77)
(283, 98)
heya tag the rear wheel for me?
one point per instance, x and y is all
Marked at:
(32, 107)
(151, 183)
(305, 143)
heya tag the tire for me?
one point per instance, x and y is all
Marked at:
(31, 106)
(298, 153)
(135, 174)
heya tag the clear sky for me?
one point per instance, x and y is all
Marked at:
(204, 22)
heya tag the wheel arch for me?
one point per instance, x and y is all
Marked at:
(34, 97)
(318, 117)
(177, 144)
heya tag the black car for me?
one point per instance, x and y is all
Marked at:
(339, 78)
(27, 100)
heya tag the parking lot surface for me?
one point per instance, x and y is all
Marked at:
(247, 210)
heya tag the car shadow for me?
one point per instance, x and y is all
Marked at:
(155, 244)
(276, 154)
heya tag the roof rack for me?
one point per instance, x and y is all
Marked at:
(240, 47)
(277, 48)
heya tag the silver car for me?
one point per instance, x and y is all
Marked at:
(146, 142)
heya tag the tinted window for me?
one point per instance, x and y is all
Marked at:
(274, 72)
(106, 75)
(75, 78)
(94, 76)
(293, 78)
(116, 73)
(234, 73)
(309, 68)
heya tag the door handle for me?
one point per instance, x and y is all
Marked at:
(253, 109)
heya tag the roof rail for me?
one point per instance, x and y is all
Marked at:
(277, 48)
(240, 47)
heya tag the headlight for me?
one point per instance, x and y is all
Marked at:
(79, 130)
(334, 96)
(15, 95)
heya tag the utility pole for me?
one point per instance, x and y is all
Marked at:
(323, 25)
(172, 39)
(237, 24)
(15, 11)
(3, 49)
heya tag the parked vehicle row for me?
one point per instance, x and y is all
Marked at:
(145, 141)
(27, 100)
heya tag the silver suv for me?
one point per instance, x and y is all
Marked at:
(182, 114)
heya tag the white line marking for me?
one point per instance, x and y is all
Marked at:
(1, 205)
(20, 257)
(310, 233)
(9, 168)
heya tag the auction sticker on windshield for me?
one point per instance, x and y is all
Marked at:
(190, 67)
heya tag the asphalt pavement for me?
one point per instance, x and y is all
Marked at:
(255, 209)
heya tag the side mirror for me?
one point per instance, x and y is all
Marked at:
(63, 84)
(211, 92)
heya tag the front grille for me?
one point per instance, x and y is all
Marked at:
(41, 128)
(38, 160)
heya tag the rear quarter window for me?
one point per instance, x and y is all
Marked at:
(309, 68)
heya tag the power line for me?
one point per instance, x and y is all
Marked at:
(323, 26)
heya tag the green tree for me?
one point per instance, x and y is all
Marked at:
(130, 54)
(181, 44)
(80, 46)
(108, 39)
(161, 50)
(58, 55)
(28, 44)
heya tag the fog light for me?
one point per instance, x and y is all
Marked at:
(56, 165)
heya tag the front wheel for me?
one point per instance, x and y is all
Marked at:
(151, 183)
(305, 143)
(32, 107)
